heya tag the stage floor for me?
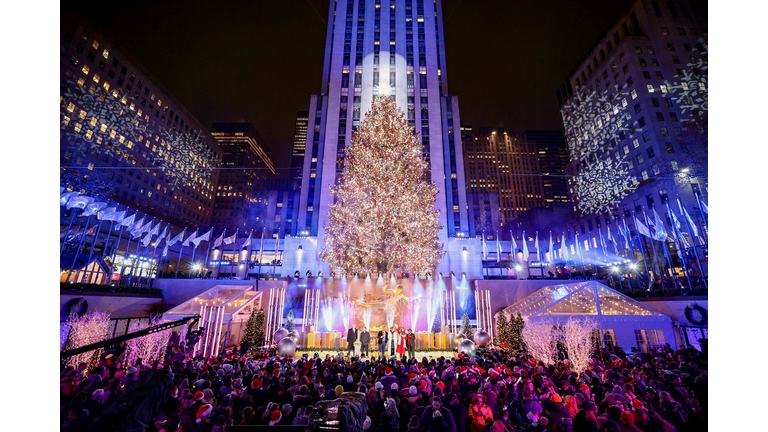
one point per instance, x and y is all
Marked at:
(333, 353)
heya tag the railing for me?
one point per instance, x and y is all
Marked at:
(117, 289)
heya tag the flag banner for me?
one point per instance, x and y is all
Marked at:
(551, 248)
(485, 249)
(231, 239)
(165, 251)
(602, 242)
(63, 198)
(538, 249)
(128, 221)
(147, 227)
(101, 214)
(514, 244)
(498, 248)
(164, 234)
(703, 205)
(179, 237)
(661, 231)
(690, 221)
(202, 238)
(135, 230)
(189, 239)
(578, 247)
(564, 253)
(155, 230)
(248, 241)
(146, 240)
(642, 229)
(525, 248)
(627, 234)
(218, 241)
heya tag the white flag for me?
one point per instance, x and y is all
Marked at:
(128, 221)
(179, 237)
(202, 238)
(189, 239)
(165, 251)
(230, 239)
(248, 241)
(218, 241)
(146, 240)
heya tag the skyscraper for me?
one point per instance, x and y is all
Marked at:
(374, 46)
(553, 157)
(299, 147)
(625, 109)
(501, 162)
(245, 164)
(116, 115)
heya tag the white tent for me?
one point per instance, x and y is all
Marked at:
(224, 311)
(621, 320)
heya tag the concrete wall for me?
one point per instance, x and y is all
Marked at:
(177, 291)
(675, 307)
(117, 305)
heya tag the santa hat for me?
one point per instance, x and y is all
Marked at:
(411, 376)
(175, 393)
(275, 417)
(204, 411)
(441, 385)
(423, 384)
(584, 387)
(199, 396)
(256, 383)
(388, 370)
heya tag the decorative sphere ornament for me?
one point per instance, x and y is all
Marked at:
(280, 334)
(294, 334)
(467, 347)
(482, 338)
(286, 346)
(458, 340)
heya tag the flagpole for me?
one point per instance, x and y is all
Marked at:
(77, 250)
(104, 247)
(136, 252)
(71, 219)
(154, 251)
(181, 249)
(653, 247)
(194, 249)
(701, 209)
(93, 244)
(261, 251)
(680, 250)
(232, 268)
(642, 250)
(114, 253)
(207, 254)
(665, 247)
(693, 243)
(277, 248)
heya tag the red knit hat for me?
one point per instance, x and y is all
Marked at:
(204, 411)
(256, 383)
(584, 386)
(199, 396)
(411, 376)
(441, 385)
(423, 384)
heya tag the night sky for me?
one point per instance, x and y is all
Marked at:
(260, 61)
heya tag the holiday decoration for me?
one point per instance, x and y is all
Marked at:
(458, 340)
(294, 334)
(149, 348)
(516, 326)
(577, 340)
(466, 328)
(541, 342)
(289, 321)
(467, 347)
(384, 217)
(280, 334)
(696, 314)
(286, 346)
(254, 328)
(503, 330)
(84, 330)
(481, 338)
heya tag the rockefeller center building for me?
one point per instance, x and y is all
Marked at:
(633, 111)
(375, 46)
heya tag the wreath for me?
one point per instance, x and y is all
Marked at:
(77, 301)
(689, 310)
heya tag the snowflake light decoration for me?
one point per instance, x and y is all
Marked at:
(690, 91)
(187, 159)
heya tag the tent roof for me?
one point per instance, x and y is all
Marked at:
(65, 261)
(232, 297)
(581, 298)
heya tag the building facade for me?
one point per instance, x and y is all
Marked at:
(632, 112)
(498, 161)
(553, 157)
(395, 46)
(122, 128)
(245, 164)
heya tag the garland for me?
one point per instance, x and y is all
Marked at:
(689, 314)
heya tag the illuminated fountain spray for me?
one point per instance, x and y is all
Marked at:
(327, 311)
(367, 317)
(417, 291)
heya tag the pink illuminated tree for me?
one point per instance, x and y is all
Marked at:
(577, 338)
(149, 348)
(87, 329)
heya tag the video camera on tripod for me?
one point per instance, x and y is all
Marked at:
(194, 336)
(344, 414)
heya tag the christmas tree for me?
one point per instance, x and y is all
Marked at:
(384, 216)
(466, 328)
(516, 325)
(289, 321)
(503, 330)
(255, 326)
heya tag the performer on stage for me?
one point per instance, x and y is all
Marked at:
(382, 341)
(410, 342)
(400, 341)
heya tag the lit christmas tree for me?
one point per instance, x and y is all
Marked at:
(289, 321)
(466, 328)
(384, 216)
(255, 326)
(503, 330)
(516, 326)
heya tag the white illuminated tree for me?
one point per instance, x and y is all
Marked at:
(149, 348)
(87, 329)
(577, 339)
(541, 341)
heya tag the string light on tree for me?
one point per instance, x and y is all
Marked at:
(384, 217)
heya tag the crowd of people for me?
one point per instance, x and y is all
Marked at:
(492, 391)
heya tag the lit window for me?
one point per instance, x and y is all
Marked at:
(115, 93)
(112, 134)
(71, 107)
(644, 173)
(96, 77)
(89, 134)
(663, 88)
(78, 127)
(103, 127)
(93, 121)
(105, 54)
(633, 94)
(106, 85)
(635, 143)
(81, 81)
(86, 69)
(702, 87)
(132, 107)
(95, 44)
(650, 88)
(65, 120)
(122, 139)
